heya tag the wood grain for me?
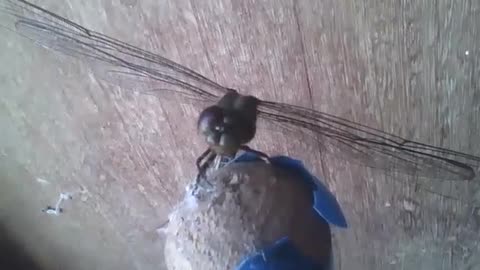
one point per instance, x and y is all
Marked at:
(408, 67)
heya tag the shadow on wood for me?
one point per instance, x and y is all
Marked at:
(13, 255)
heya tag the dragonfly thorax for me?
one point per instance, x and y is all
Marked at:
(229, 124)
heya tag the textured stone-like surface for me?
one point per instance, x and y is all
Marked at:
(250, 207)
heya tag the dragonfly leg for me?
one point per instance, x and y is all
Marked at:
(203, 163)
(199, 160)
(264, 156)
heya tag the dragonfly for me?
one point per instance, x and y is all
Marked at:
(229, 123)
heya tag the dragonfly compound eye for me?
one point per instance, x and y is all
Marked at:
(210, 120)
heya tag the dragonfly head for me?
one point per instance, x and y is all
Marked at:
(224, 130)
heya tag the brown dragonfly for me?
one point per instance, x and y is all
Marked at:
(230, 122)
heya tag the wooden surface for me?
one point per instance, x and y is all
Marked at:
(408, 67)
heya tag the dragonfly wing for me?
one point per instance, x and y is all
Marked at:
(112, 60)
(371, 147)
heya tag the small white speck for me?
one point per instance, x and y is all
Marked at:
(84, 198)
(65, 196)
(409, 205)
(235, 180)
(52, 212)
(263, 256)
(452, 239)
(42, 181)
(467, 52)
(387, 204)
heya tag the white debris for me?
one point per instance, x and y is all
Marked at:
(42, 181)
(409, 205)
(57, 209)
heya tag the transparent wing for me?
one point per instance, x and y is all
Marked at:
(125, 64)
(371, 147)
(113, 60)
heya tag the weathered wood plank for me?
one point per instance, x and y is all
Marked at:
(401, 67)
(408, 67)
